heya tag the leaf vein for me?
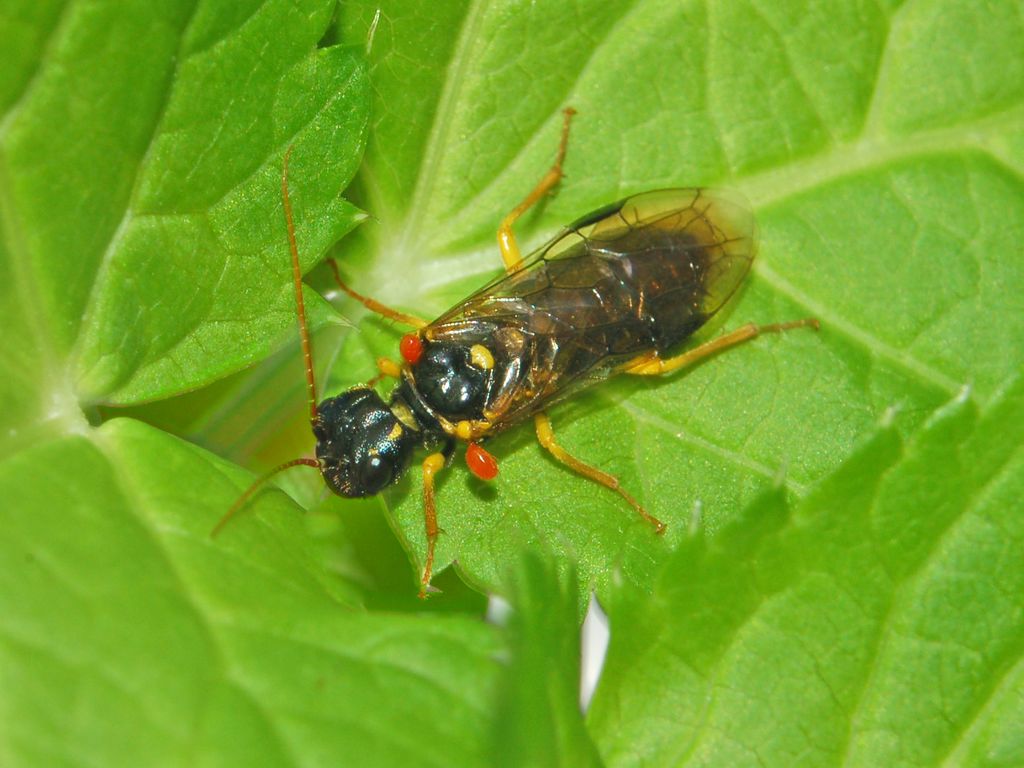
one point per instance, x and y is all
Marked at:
(32, 79)
(899, 358)
(902, 586)
(106, 259)
(203, 622)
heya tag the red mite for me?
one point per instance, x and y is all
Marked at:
(617, 291)
(480, 462)
(411, 348)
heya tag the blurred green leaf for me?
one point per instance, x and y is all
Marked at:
(538, 717)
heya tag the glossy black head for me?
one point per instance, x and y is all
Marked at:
(361, 445)
(450, 383)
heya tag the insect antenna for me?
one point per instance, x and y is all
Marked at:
(240, 501)
(307, 355)
(300, 305)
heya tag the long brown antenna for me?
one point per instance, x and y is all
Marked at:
(240, 501)
(307, 355)
(300, 305)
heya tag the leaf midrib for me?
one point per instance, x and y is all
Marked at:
(221, 656)
(437, 140)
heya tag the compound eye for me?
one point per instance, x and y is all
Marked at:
(376, 474)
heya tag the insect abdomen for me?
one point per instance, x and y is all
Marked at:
(658, 291)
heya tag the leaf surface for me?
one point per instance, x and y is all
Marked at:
(842, 594)
(879, 624)
(141, 206)
(894, 221)
(130, 637)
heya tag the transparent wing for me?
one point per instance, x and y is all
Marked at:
(639, 275)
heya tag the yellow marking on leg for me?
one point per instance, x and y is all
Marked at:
(465, 429)
(388, 367)
(652, 365)
(546, 437)
(506, 238)
(385, 369)
(433, 464)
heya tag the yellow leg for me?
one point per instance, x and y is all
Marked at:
(373, 305)
(652, 365)
(506, 238)
(386, 368)
(433, 464)
(546, 436)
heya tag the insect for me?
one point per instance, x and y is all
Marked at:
(617, 291)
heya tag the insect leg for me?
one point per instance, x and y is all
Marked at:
(546, 437)
(433, 464)
(389, 367)
(652, 365)
(386, 368)
(373, 305)
(506, 238)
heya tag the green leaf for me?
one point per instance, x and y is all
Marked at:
(143, 239)
(892, 219)
(130, 637)
(143, 255)
(539, 720)
(880, 625)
